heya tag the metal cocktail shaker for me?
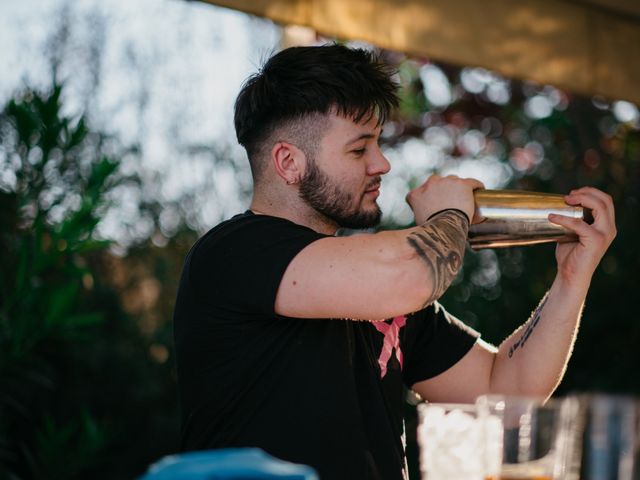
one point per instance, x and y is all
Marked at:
(515, 218)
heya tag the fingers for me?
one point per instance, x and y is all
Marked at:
(601, 205)
(471, 182)
(439, 193)
(603, 229)
(476, 184)
(596, 240)
(605, 197)
(576, 225)
(599, 200)
(437, 179)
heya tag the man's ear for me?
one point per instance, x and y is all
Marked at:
(289, 162)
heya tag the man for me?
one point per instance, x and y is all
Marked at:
(294, 340)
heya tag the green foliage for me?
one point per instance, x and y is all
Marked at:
(66, 348)
(50, 212)
(80, 435)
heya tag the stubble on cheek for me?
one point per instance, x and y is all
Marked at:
(335, 200)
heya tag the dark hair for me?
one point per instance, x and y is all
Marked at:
(302, 81)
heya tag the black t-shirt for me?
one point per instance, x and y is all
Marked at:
(322, 392)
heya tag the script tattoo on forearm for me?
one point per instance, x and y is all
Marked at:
(531, 325)
(440, 243)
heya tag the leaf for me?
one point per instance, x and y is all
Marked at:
(61, 302)
(78, 134)
(21, 274)
(84, 320)
(92, 245)
(64, 449)
(26, 122)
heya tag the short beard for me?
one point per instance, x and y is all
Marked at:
(329, 200)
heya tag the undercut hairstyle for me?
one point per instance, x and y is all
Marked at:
(291, 95)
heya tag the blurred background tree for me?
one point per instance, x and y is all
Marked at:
(99, 206)
(94, 229)
(551, 142)
(80, 392)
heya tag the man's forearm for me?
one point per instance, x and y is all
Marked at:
(440, 244)
(533, 359)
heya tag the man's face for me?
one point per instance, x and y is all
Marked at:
(342, 178)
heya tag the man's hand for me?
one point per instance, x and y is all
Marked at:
(439, 193)
(533, 359)
(578, 260)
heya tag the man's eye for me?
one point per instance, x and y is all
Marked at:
(359, 152)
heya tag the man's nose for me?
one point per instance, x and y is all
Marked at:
(379, 165)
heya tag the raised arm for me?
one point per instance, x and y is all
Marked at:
(377, 276)
(533, 359)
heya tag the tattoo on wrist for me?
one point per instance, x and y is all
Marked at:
(531, 325)
(440, 244)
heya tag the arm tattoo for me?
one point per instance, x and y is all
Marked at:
(440, 243)
(535, 319)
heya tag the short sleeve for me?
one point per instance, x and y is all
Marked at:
(240, 263)
(435, 340)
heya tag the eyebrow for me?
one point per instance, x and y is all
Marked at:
(362, 136)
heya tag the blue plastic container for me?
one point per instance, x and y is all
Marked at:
(227, 464)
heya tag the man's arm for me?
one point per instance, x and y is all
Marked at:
(532, 360)
(382, 275)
